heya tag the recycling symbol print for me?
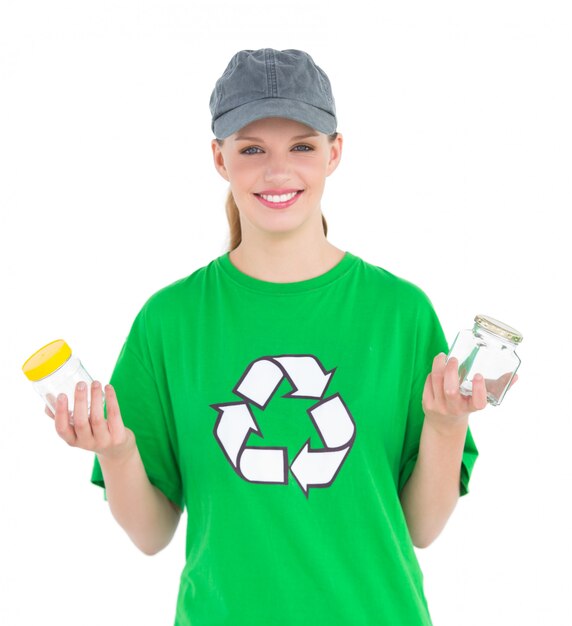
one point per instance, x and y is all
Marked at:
(330, 416)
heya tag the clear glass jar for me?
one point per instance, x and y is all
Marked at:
(488, 349)
(54, 370)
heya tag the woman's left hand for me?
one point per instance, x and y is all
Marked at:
(445, 407)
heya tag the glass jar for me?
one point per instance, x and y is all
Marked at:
(54, 370)
(488, 349)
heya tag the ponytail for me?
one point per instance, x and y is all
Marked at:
(233, 217)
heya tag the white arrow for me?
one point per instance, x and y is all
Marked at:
(259, 382)
(306, 374)
(313, 468)
(264, 465)
(333, 422)
(233, 428)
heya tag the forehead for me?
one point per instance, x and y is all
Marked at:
(270, 126)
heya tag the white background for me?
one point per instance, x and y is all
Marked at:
(455, 175)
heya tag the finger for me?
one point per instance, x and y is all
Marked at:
(428, 399)
(62, 420)
(114, 420)
(96, 418)
(80, 416)
(51, 404)
(48, 412)
(451, 380)
(437, 374)
(457, 403)
(479, 393)
(499, 386)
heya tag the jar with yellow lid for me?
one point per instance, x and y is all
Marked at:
(487, 349)
(53, 369)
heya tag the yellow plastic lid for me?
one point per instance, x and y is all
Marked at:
(47, 360)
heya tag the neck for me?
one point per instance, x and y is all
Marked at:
(286, 260)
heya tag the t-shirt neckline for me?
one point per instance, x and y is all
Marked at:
(336, 272)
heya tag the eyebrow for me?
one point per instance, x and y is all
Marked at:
(244, 138)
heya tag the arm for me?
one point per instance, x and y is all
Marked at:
(431, 493)
(147, 516)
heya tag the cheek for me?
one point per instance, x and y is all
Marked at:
(315, 174)
(239, 169)
(315, 167)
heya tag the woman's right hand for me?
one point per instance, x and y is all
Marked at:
(90, 430)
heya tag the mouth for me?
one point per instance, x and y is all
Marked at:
(281, 201)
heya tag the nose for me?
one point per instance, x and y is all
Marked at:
(277, 169)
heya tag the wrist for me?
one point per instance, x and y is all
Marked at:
(119, 454)
(447, 425)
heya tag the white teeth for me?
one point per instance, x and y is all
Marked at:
(283, 198)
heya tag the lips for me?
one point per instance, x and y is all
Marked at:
(279, 205)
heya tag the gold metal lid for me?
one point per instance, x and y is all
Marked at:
(498, 328)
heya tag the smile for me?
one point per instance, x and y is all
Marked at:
(279, 202)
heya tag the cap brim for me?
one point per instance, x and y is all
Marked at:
(239, 117)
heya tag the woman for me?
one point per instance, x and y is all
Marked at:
(295, 399)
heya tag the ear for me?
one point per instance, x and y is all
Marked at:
(218, 159)
(335, 154)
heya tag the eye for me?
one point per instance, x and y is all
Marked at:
(246, 150)
(256, 150)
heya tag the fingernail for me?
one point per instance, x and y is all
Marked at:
(61, 397)
(81, 386)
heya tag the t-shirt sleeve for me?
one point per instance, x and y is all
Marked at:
(429, 340)
(145, 409)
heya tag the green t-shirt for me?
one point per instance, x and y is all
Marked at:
(285, 418)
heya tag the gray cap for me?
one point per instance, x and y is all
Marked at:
(272, 83)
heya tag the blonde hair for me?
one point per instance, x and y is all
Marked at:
(233, 216)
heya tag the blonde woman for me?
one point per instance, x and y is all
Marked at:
(292, 397)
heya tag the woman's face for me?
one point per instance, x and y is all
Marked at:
(273, 157)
